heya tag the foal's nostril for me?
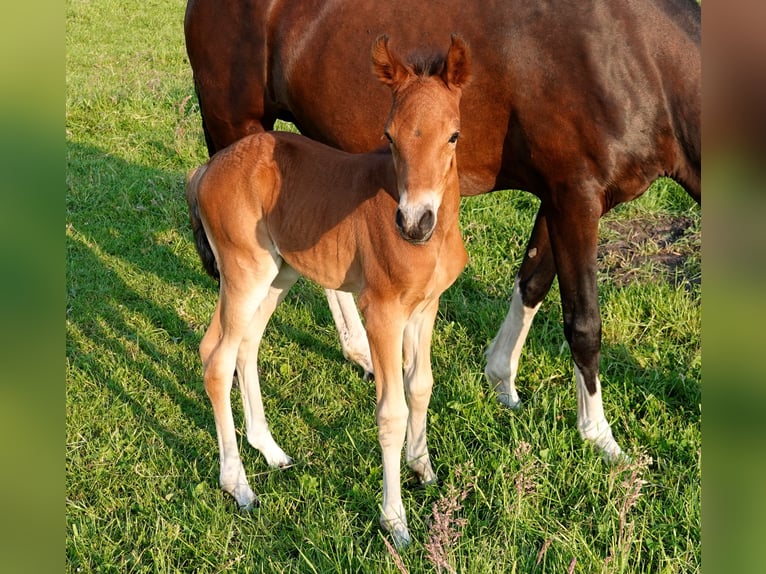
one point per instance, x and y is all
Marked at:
(426, 223)
(399, 220)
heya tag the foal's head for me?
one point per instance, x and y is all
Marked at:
(423, 129)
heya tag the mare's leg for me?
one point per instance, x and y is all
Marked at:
(418, 382)
(529, 289)
(238, 303)
(353, 339)
(258, 434)
(385, 329)
(574, 237)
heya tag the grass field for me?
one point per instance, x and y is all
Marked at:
(520, 489)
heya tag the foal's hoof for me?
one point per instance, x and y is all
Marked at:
(401, 539)
(509, 401)
(278, 459)
(398, 532)
(250, 506)
(616, 458)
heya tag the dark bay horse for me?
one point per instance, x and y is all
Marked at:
(583, 104)
(383, 224)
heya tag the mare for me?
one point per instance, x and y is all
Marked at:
(584, 104)
(383, 224)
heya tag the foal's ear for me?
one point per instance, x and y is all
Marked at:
(457, 72)
(386, 65)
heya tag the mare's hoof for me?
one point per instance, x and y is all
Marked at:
(616, 458)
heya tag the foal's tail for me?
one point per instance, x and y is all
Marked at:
(201, 242)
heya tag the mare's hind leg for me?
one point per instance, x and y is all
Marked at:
(236, 307)
(418, 383)
(258, 434)
(353, 338)
(529, 289)
(574, 238)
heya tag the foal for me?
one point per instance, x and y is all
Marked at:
(383, 224)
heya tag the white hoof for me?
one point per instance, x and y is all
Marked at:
(243, 494)
(263, 441)
(276, 458)
(600, 435)
(398, 530)
(506, 390)
(363, 360)
(423, 470)
(510, 400)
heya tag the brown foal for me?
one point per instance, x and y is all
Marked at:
(274, 206)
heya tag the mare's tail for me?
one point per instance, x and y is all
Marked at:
(201, 242)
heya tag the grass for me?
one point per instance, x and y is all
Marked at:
(519, 490)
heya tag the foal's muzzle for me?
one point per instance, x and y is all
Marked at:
(417, 226)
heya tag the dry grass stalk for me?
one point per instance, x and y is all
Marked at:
(445, 527)
(395, 555)
(627, 497)
(543, 550)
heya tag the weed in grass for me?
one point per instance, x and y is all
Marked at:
(626, 495)
(445, 527)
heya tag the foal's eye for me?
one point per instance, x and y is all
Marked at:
(453, 137)
(388, 137)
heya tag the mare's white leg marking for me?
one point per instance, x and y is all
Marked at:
(258, 434)
(591, 421)
(504, 352)
(353, 338)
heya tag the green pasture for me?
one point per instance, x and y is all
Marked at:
(518, 491)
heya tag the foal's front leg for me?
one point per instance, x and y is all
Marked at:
(418, 383)
(385, 328)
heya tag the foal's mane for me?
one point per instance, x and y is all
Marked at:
(426, 64)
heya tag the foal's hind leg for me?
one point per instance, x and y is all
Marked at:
(353, 338)
(529, 289)
(418, 383)
(219, 349)
(258, 434)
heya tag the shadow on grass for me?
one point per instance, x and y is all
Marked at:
(118, 217)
